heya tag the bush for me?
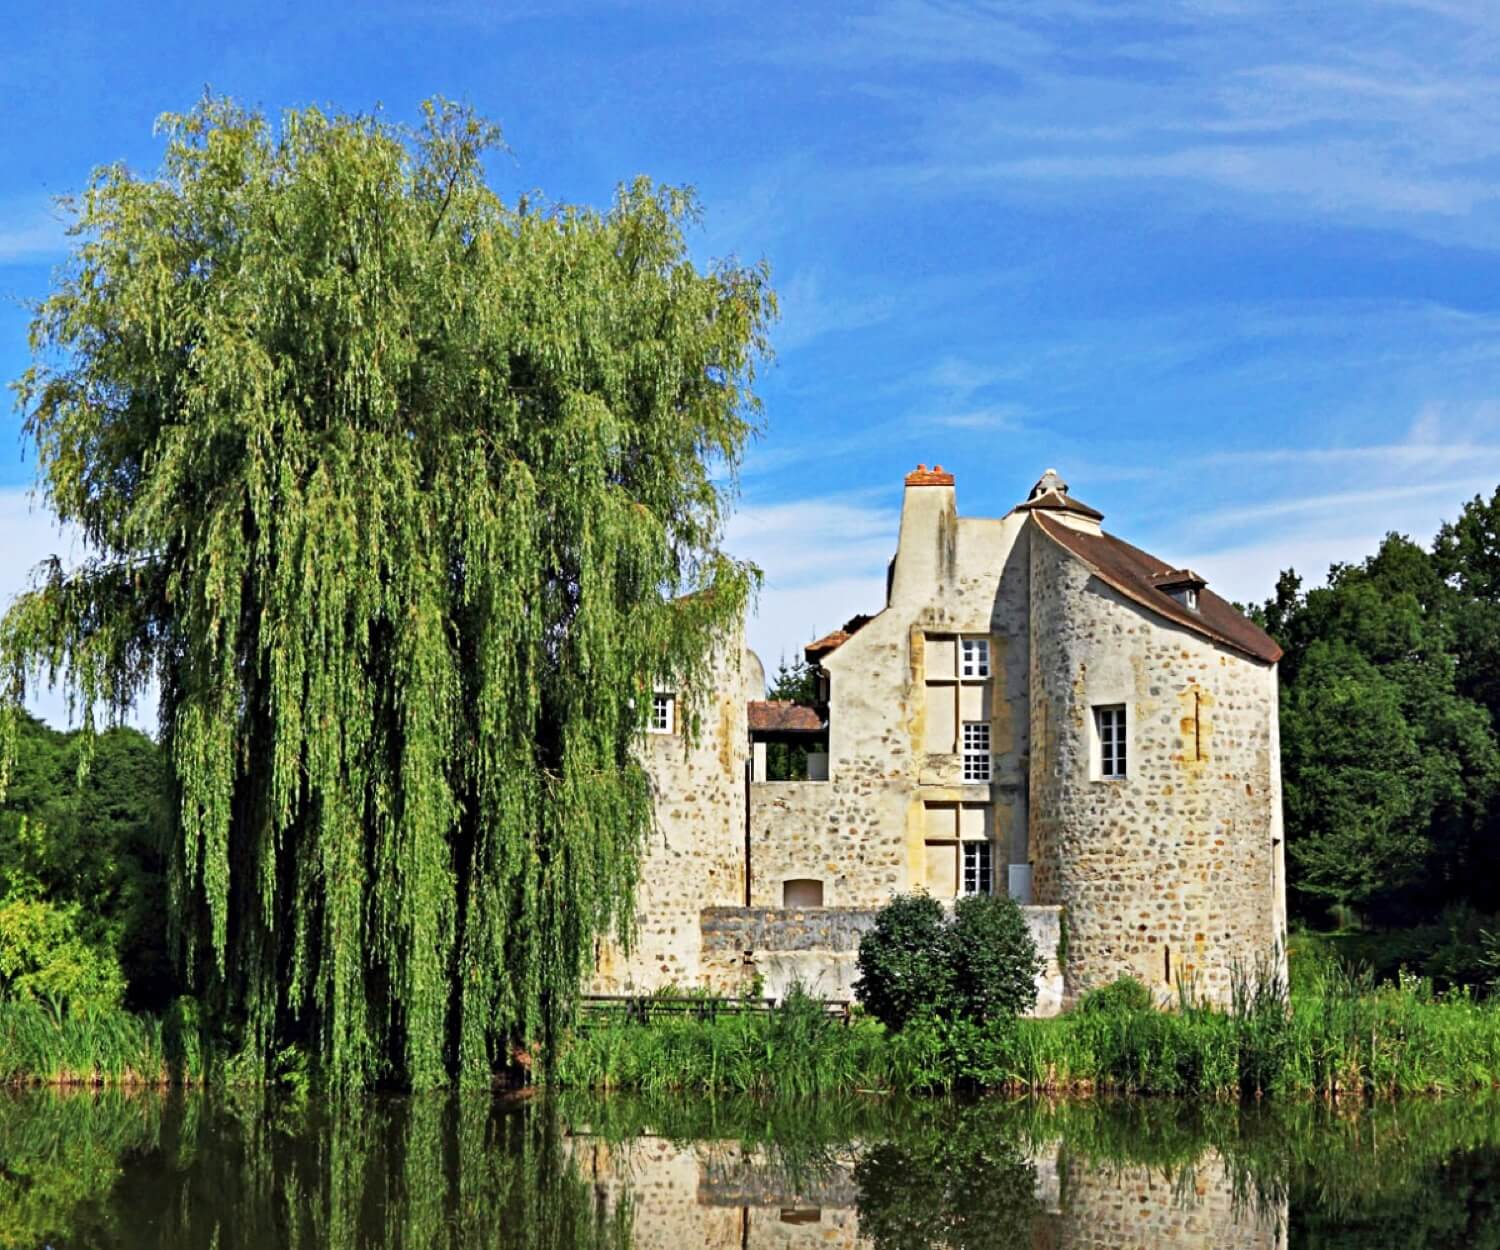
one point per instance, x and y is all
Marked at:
(44, 956)
(995, 963)
(904, 970)
(1118, 998)
(981, 966)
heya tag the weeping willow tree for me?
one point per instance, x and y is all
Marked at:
(402, 498)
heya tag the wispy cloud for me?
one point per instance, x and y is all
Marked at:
(809, 311)
(1359, 112)
(824, 559)
(31, 232)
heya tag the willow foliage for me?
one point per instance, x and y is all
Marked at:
(403, 497)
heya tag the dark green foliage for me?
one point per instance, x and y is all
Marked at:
(966, 1187)
(1123, 995)
(405, 498)
(994, 960)
(980, 966)
(1389, 750)
(904, 966)
(83, 832)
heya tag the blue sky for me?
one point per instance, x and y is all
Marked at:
(1232, 266)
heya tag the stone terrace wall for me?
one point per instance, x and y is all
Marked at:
(818, 947)
(1178, 856)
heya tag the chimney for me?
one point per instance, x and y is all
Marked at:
(925, 550)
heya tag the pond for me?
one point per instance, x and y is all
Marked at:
(453, 1171)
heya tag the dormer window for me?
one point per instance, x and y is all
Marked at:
(1180, 585)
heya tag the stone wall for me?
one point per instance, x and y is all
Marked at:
(818, 948)
(1140, 1208)
(828, 831)
(695, 857)
(1170, 872)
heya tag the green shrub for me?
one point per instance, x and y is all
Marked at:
(981, 966)
(904, 967)
(1119, 997)
(994, 959)
(44, 956)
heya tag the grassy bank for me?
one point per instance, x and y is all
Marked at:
(1342, 1037)
(99, 1046)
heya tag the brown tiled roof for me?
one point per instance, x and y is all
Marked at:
(1131, 571)
(835, 640)
(784, 716)
(935, 476)
(828, 642)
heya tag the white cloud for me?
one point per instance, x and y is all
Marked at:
(1382, 114)
(32, 535)
(824, 561)
(808, 312)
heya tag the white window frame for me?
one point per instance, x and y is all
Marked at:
(1112, 742)
(975, 741)
(662, 719)
(1187, 596)
(973, 658)
(976, 875)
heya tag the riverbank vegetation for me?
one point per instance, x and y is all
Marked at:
(1342, 1035)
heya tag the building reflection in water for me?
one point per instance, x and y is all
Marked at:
(719, 1195)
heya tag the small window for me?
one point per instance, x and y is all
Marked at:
(1110, 724)
(975, 658)
(1187, 596)
(802, 892)
(663, 710)
(979, 875)
(976, 750)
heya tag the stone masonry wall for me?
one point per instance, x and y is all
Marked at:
(695, 857)
(818, 948)
(1139, 1208)
(828, 830)
(1175, 862)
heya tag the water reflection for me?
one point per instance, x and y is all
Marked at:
(453, 1171)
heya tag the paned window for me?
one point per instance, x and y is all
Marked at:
(974, 660)
(1110, 724)
(976, 750)
(663, 706)
(979, 875)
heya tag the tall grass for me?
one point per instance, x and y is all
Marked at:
(45, 1044)
(1341, 1035)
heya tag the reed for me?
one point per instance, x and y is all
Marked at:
(1340, 1036)
(44, 1044)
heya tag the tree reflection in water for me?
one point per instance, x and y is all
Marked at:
(459, 1170)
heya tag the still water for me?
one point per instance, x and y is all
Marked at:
(457, 1171)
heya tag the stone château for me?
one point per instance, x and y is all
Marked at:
(1039, 708)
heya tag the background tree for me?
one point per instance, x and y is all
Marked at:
(399, 494)
(796, 682)
(1389, 759)
(82, 862)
